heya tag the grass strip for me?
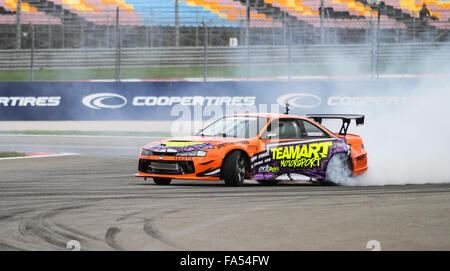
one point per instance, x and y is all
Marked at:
(255, 71)
(11, 154)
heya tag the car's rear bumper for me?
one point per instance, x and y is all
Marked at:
(360, 164)
(359, 171)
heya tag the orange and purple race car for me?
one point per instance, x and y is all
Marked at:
(264, 147)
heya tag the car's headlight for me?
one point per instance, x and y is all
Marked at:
(192, 153)
(146, 152)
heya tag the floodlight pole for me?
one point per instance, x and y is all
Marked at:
(151, 27)
(118, 47)
(196, 26)
(247, 38)
(177, 25)
(205, 52)
(32, 52)
(322, 33)
(63, 29)
(82, 36)
(375, 38)
(289, 49)
(19, 25)
(378, 40)
(49, 41)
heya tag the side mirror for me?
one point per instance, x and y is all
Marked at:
(270, 135)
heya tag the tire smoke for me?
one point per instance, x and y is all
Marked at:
(410, 144)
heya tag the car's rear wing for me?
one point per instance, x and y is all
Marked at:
(346, 119)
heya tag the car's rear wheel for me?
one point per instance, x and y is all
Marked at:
(338, 169)
(162, 181)
(268, 182)
(234, 169)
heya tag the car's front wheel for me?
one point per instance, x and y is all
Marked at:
(234, 169)
(162, 181)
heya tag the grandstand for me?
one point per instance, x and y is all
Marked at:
(62, 22)
(218, 12)
(191, 13)
(30, 14)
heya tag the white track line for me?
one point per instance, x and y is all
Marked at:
(41, 156)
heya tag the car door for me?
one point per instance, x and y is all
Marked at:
(294, 148)
(278, 131)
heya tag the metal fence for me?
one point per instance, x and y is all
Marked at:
(372, 54)
(94, 36)
(48, 59)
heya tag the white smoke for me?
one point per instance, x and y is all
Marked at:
(409, 145)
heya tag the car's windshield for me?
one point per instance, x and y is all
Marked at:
(235, 126)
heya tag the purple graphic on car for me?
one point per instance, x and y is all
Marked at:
(307, 157)
(171, 148)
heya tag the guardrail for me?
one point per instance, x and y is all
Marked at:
(219, 56)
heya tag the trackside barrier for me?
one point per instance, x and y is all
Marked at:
(167, 101)
(47, 59)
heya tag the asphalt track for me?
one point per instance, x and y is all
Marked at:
(93, 198)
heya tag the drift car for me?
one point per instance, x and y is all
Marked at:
(264, 147)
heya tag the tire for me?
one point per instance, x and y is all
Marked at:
(338, 169)
(234, 169)
(162, 181)
(268, 182)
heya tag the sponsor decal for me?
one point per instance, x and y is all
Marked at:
(180, 144)
(104, 100)
(22, 101)
(361, 157)
(115, 101)
(300, 100)
(194, 100)
(367, 100)
(222, 145)
(182, 158)
(268, 168)
(308, 155)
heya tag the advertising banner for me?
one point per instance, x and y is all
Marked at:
(170, 100)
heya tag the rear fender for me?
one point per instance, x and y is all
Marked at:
(358, 155)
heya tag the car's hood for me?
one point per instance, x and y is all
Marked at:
(191, 143)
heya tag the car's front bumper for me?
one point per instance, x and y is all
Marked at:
(175, 167)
